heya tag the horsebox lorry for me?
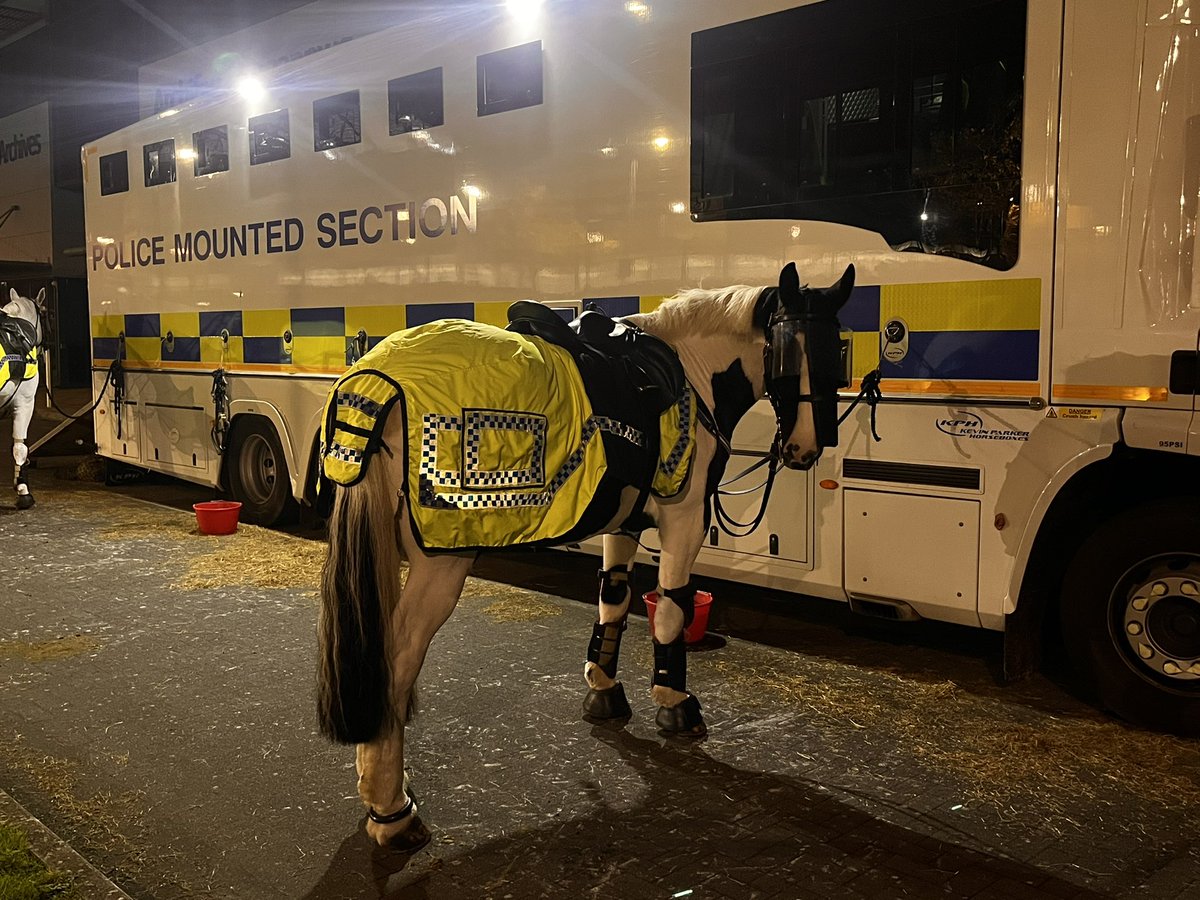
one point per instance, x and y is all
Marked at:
(1015, 181)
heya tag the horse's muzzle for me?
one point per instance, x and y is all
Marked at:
(793, 458)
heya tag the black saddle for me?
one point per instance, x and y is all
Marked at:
(613, 356)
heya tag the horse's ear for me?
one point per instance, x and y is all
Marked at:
(13, 296)
(40, 300)
(789, 283)
(840, 292)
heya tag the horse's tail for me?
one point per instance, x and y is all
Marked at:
(360, 586)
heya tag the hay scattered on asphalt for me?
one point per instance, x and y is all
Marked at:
(42, 651)
(102, 822)
(1023, 764)
(524, 608)
(508, 603)
(254, 557)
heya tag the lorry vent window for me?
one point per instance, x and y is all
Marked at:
(510, 79)
(337, 121)
(212, 150)
(415, 102)
(159, 160)
(269, 138)
(114, 173)
(901, 118)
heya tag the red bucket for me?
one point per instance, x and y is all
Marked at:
(694, 633)
(217, 516)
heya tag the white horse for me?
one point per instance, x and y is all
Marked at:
(20, 340)
(735, 345)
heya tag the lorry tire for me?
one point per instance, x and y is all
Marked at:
(1130, 611)
(257, 472)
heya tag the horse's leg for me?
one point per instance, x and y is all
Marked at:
(429, 596)
(606, 696)
(681, 530)
(22, 415)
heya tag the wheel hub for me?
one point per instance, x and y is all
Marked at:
(258, 469)
(1161, 623)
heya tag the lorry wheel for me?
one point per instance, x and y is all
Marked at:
(1131, 614)
(257, 472)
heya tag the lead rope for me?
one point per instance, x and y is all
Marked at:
(220, 398)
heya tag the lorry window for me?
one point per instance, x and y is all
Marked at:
(114, 173)
(337, 121)
(509, 79)
(269, 137)
(212, 150)
(904, 119)
(415, 102)
(159, 162)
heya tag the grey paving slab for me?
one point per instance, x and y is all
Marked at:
(169, 735)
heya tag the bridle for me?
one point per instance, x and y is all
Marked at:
(791, 336)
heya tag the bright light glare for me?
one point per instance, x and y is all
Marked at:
(924, 217)
(678, 207)
(661, 143)
(524, 10)
(473, 191)
(641, 10)
(167, 113)
(105, 240)
(185, 154)
(251, 88)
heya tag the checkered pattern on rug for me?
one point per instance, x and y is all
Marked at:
(675, 457)
(476, 422)
(438, 484)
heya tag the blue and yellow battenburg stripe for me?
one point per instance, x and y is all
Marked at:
(985, 333)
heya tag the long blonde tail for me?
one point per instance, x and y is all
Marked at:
(360, 586)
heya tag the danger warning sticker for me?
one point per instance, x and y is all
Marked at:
(1073, 412)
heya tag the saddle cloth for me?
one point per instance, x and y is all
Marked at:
(504, 446)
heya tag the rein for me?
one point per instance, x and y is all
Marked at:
(869, 392)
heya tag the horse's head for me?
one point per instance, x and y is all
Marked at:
(21, 319)
(804, 365)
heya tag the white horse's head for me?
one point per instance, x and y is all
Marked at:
(25, 316)
(804, 365)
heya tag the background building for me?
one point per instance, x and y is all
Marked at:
(73, 70)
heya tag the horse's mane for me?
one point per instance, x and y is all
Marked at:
(697, 311)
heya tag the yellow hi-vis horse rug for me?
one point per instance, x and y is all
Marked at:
(14, 367)
(504, 445)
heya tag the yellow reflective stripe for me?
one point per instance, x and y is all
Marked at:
(214, 350)
(493, 312)
(266, 322)
(1012, 304)
(184, 324)
(864, 352)
(651, 303)
(148, 349)
(375, 320)
(308, 350)
(107, 326)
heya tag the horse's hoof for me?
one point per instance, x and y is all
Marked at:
(411, 839)
(24, 501)
(683, 720)
(607, 704)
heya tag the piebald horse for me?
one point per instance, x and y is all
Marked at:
(20, 339)
(736, 345)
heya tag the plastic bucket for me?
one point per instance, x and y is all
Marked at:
(694, 633)
(217, 516)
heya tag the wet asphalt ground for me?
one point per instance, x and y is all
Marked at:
(167, 732)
